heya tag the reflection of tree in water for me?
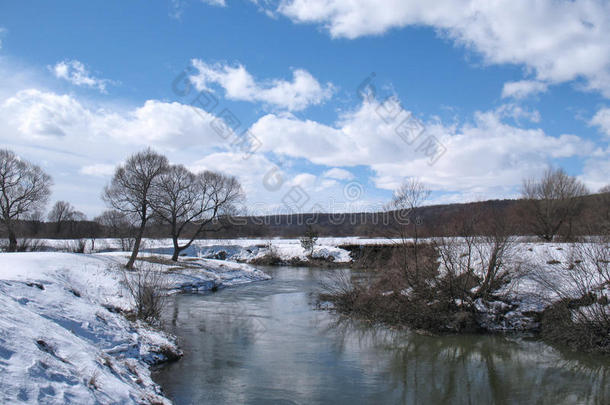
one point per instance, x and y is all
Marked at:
(474, 369)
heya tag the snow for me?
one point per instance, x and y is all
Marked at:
(62, 339)
(245, 250)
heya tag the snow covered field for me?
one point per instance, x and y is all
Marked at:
(62, 339)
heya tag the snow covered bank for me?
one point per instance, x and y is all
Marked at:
(62, 338)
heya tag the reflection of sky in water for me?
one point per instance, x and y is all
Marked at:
(264, 343)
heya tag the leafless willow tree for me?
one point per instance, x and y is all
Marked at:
(24, 188)
(129, 191)
(183, 199)
(406, 204)
(554, 201)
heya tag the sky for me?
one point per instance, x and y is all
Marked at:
(317, 105)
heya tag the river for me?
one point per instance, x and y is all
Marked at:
(266, 343)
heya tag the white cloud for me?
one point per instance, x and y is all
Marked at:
(51, 119)
(304, 90)
(518, 113)
(75, 142)
(523, 88)
(218, 3)
(601, 119)
(487, 156)
(558, 41)
(338, 174)
(596, 170)
(99, 169)
(305, 180)
(76, 73)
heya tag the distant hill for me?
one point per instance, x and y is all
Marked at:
(435, 220)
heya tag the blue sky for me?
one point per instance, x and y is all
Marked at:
(504, 90)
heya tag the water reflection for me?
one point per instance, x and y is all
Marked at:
(264, 343)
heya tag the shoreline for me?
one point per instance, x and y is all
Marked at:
(66, 333)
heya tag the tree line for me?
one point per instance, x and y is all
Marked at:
(146, 187)
(149, 196)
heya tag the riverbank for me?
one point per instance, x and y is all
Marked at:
(64, 336)
(560, 291)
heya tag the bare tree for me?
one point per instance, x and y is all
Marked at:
(24, 188)
(554, 200)
(62, 213)
(35, 220)
(129, 190)
(117, 225)
(182, 199)
(406, 203)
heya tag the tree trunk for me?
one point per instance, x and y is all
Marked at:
(136, 247)
(12, 240)
(177, 248)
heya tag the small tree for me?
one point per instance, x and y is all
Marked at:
(183, 199)
(117, 225)
(24, 188)
(554, 201)
(64, 213)
(309, 239)
(129, 191)
(406, 204)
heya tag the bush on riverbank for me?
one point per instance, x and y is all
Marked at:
(580, 318)
(443, 288)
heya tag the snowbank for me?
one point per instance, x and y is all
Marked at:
(62, 338)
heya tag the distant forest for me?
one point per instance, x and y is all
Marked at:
(433, 220)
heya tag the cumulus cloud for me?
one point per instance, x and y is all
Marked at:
(338, 174)
(43, 117)
(304, 89)
(596, 171)
(523, 88)
(481, 157)
(601, 119)
(558, 41)
(78, 143)
(77, 73)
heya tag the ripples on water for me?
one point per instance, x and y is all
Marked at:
(265, 343)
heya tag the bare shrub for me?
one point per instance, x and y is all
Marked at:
(147, 286)
(118, 226)
(270, 258)
(579, 314)
(308, 240)
(406, 203)
(75, 246)
(554, 201)
(437, 285)
(31, 245)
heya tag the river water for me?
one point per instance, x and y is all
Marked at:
(266, 343)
